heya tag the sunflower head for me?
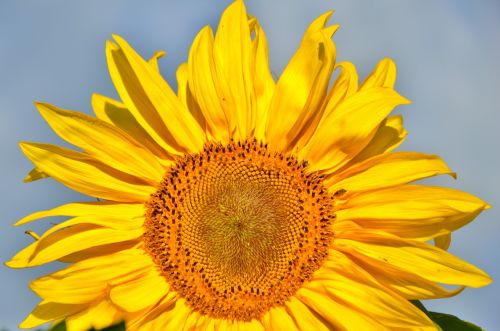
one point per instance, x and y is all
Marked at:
(229, 229)
(241, 202)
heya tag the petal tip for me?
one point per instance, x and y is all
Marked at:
(111, 46)
(159, 54)
(27, 147)
(13, 264)
(26, 324)
(330, 30)
(328, 14)
(117, 37)
(121, 43)
(484, 280)
(38, 103)
(388, 60)
(23, 145)
(33, 175)
(44, 108)
(405, 101)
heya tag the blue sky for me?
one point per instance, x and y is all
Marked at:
(447, 53)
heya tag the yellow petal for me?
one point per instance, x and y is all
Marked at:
(115, 216)
(204, 322)
(253, 325)
(186, 96)
(344, 86)
(443, 241)
(182, 83)
(346, 282)
(277, 319)
(176, 319)
(68, 241)
(344, 317)
(304, 317)
(349, 128)
(100, 251)
(412, 256)
(412, 211)
(407, 284)
(109, 222)
(88, 280)
(130, 295)
(263, 80)
(166, 317)
(84, 174)
(153, 61)
(301, 89)
(388, 170)
(203, 83)
(100, 315)
(389, 135)
(115, 113)
(118, 210)
(211, 324)
(127, 227)
(35, 174)
(384, 75)
(232, 51)
(151, 101)
(105, 142)
(82, 293)
(21, 259)
(47, 311)
(153, 319)
(195, 321)
(228, 325)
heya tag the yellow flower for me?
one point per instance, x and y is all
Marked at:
(242, 203)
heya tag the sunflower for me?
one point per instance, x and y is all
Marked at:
(241, 202)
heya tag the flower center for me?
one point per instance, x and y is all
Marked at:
(237, 229)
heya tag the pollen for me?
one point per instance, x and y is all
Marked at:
(237, 229)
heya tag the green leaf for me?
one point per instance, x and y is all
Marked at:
(447, 322)
(452, 323)
(117, 327)
(420, 306)
(61, 326)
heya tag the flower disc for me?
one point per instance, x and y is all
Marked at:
(237, 229)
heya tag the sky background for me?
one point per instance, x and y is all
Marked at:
(447, 53)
